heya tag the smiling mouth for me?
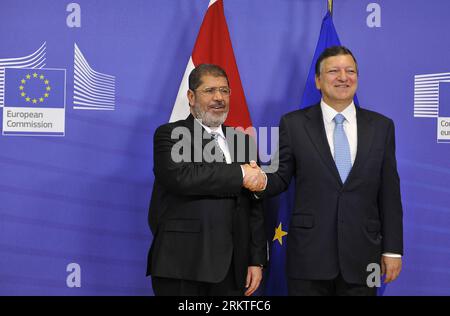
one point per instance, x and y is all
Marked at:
(342, 86)
(217, 107)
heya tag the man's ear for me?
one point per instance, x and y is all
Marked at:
(317, 80)
(191, 97)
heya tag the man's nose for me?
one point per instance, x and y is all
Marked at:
(342, 75)
(218, 95)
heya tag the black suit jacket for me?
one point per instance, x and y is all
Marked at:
(200, 215)
(338, 227)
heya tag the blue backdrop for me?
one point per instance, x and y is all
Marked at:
(83, 197)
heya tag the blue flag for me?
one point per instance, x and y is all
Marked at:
(327, 38)
(34, 88)
(276, 282)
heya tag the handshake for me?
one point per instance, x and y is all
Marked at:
(255, 179)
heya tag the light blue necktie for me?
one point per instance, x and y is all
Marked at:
(341, 148)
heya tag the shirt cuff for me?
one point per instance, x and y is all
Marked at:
(392, 255)
(265, 176)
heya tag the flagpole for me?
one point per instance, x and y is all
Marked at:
(330, 6)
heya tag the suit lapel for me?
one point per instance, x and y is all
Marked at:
(198, 143)
(316, 132)
(234, 144)
(365, 139)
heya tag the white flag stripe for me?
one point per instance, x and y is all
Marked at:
(181, 108)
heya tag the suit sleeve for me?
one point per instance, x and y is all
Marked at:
(191, 178)
(391, 211)
(258, 242)
(283, 165)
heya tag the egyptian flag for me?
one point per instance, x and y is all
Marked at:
(213, 46)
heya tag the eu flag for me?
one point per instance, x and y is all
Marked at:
(34, 88)
(276, 283)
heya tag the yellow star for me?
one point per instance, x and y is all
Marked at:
(46, 81)
(23, 81)
(46, 95)
(279, 233)
(21, 88)
(48, 88)
(28, 76)
(23, 94)
(34, 101)
(41, 99)
(35, 75)
(27, 99)
(41, 77)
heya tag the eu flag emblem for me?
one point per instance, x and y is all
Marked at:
(31, 88)
(34, 102)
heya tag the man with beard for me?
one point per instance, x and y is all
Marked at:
(208, 230)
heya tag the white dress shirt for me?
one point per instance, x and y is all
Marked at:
(350, 126)
(351, 131)
(221, 139)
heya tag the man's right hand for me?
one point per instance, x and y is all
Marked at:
(254, 179)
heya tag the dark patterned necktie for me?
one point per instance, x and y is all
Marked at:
(216, 142)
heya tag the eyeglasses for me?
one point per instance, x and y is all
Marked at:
(210, 92)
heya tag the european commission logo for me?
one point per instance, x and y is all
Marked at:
(432, 100)
(34, 102)
(33, 97)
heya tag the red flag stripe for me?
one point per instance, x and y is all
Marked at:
(213, 46)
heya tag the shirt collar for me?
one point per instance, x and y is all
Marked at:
(329, 113)
(217, 130)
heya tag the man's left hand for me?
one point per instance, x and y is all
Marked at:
(254, 277)
(391, 267)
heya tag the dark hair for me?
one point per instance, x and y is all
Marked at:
(333, 51)
(205, 69)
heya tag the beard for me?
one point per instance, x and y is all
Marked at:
(209, 119)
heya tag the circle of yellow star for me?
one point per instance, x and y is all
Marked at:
(29, 78)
